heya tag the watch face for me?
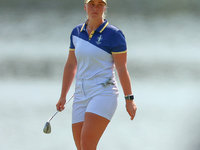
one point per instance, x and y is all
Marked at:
(131, 97)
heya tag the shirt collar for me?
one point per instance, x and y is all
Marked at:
(100, 29)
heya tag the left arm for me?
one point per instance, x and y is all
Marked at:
(120, 61)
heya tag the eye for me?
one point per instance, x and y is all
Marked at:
(101, 4)
(91, 4)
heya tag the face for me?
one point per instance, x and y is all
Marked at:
(95, 8)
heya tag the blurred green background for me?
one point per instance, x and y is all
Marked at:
(145, 7)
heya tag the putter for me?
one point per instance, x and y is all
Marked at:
(47, 126)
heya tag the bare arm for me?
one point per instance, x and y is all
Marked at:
(68, 76)
(120, 61)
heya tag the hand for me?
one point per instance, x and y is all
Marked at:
(60, 104)
(131, 108)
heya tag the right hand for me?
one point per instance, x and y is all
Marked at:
(60, 104)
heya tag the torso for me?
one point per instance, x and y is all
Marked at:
(94, 54)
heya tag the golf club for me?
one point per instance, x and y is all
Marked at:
(47, 126)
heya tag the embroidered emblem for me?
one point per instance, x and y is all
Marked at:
(99, 39)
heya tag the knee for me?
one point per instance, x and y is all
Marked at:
(87, 144)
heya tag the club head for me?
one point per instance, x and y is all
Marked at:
(47, 128)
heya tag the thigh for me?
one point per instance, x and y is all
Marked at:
(92, 130)
(76, 129)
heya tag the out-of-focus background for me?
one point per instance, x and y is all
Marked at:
(163, 38)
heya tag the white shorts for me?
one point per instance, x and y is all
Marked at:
(94, 96)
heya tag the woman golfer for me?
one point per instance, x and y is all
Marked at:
(96, 48)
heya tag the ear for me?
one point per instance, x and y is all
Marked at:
(85, 7)
(105, 9)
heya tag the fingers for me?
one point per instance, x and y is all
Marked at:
(61, 108)
(60, 105)
(132, 114)
(131, 109)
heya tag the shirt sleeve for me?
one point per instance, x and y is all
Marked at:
(71, 47)
(119, 43)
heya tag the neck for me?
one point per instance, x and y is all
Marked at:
(94, 24)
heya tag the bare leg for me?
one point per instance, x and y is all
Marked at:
(92, 130)
(88, 133)
(77, 128)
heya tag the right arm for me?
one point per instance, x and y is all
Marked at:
(68, 76)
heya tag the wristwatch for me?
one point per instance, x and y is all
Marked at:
(129, 97)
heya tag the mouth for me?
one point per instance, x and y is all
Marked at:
(95, 13)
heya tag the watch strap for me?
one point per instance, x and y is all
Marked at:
(129, 97)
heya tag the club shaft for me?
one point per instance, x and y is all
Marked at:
(58, 111)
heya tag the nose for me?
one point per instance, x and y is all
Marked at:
(95, 7)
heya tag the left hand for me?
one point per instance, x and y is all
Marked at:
(131, 108)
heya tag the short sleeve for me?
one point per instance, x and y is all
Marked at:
(118, 43)
(71, 47)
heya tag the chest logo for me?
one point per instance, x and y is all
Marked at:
(99, 39)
